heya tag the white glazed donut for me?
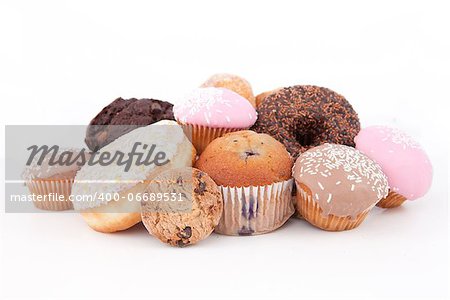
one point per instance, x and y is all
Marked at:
(112, 205)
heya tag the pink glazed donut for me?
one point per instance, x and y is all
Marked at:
(401, 158)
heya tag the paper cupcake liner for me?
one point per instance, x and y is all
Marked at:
(201, 136)
(311, 212)
(45, 187)
(255, 209)
(392, 200)
(294, 203)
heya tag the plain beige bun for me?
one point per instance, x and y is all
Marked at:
(261, 97)
(232, 82)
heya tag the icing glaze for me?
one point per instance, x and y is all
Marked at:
(97, 179)
(46, 170)
(215, 107)
(342, 180)
(402, 159)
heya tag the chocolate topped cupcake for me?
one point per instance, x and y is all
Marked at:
(130, 114)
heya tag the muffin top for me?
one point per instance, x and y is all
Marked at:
(342, 180)
(64, 164)
(246, 158)
(399, 155)
(122, 116)
(216, 108)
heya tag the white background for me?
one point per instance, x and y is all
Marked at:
(62, 61)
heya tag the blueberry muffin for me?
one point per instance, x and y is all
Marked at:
(254, 174)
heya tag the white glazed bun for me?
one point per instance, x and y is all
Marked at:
(120, 214)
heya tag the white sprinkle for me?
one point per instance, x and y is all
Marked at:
(353, 187)
(227, 104)
(206, 118)
(338, 182)
(219, 111)
(250, 116)
(329, 198)
(320, 185)
(228, 119)
(317, 196)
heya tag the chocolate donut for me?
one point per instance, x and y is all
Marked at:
(305, 116)
(130, 114)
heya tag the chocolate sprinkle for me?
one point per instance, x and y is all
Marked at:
(305, 116)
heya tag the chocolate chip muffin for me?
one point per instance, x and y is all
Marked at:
(182, 206)
(254, 174)
(130, 114)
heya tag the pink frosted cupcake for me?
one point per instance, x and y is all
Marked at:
(404, 162)
(208, 113)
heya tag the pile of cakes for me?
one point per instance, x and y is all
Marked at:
(241, 165)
